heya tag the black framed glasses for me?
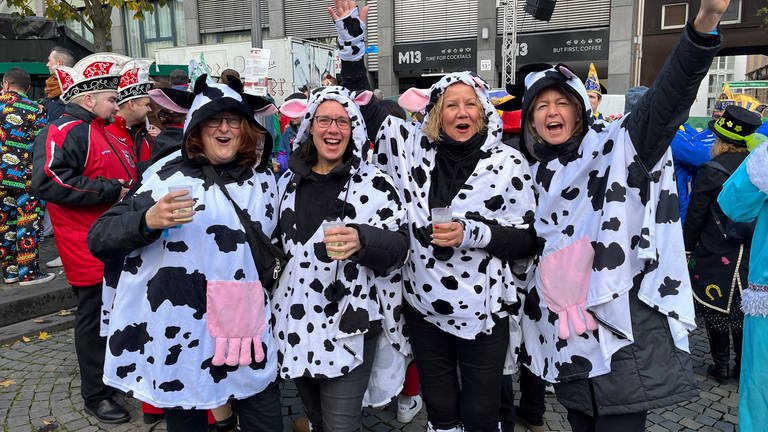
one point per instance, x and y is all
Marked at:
(233, 121)
(343, 123)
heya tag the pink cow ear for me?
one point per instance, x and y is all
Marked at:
(480, 82)
(363, 98)
(294, 108)
(175, 100)
(414, 100)
(267, 110)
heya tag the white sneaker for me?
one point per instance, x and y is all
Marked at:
(11, 280)
(408, 410)
(41, 278)
(55, 262)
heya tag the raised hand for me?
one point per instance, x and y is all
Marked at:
(342, 9)
(709, 15)
(350, 28)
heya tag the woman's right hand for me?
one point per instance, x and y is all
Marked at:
(342, 9)
(168, 213)
(350, 28)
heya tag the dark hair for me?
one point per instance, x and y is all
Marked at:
(168, 117)
(63, 56)
(178, 77)
(392, 108)
(228, 73)
(18, 78)
(251, 144)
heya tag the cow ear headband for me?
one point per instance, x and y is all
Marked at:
(297, 108)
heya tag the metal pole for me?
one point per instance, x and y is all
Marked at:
(509, 41)
(256, 41)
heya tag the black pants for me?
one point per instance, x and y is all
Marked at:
(89, 346)
(532, 406)
(581, 422)
(336, 404)
(475, 401)
(259, 413)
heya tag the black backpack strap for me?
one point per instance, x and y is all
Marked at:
(719, 167)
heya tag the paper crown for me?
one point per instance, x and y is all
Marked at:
(725, 99)
(735, 125)
(748, 102)
(96, 73)
(134, 80)
(593, 82)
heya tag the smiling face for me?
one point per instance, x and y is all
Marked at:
(556, 117)
(221, 136)
(330, 140)
(461, 112)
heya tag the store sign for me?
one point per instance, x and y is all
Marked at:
(446, 56)
(561, 47)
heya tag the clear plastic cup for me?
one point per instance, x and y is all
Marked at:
(441, 215)
(183, 198)
(328, 225)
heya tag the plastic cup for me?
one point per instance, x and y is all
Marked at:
(441, 215)
(328, 225)
(183, 198)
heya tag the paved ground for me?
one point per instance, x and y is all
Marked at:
(40, 391)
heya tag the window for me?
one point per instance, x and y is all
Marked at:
(733, 13)
(674, 15)
(160, 29)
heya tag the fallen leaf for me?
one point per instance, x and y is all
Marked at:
(39, 321)
(65, 312)
(25, 339)
(43, 335)
(7, 383)
(48, 426)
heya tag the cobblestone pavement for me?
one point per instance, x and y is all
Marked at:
(40, 392)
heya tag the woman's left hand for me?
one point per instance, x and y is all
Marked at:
(449, 234)
(349, 239)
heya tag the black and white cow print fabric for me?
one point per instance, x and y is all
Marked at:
(462, 292)
(159, 346)
(324, 339)
(603, 197)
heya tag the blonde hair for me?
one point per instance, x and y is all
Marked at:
(433, 125)
(721, 147)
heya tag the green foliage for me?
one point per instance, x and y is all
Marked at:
(94, 15)
(763, 14)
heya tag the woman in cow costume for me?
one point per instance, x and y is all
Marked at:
(609, 309)
(337, 304)
(189, 326)
(460, 283)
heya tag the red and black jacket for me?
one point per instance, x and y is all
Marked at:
(77, 165)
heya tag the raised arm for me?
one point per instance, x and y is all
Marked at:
(660, 112)
(350, 29)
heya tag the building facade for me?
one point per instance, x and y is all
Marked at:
(417, 41)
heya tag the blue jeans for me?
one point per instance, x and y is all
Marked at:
(336, 404)
(475, 403)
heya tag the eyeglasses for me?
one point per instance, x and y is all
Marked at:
(342, 123)
(233, 122)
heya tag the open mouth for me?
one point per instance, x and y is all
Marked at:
(463, 127)
(332, 143)
(554, 127)
(223, 140)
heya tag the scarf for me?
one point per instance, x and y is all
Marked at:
(52, 88)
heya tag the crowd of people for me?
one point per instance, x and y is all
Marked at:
(210, 263)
